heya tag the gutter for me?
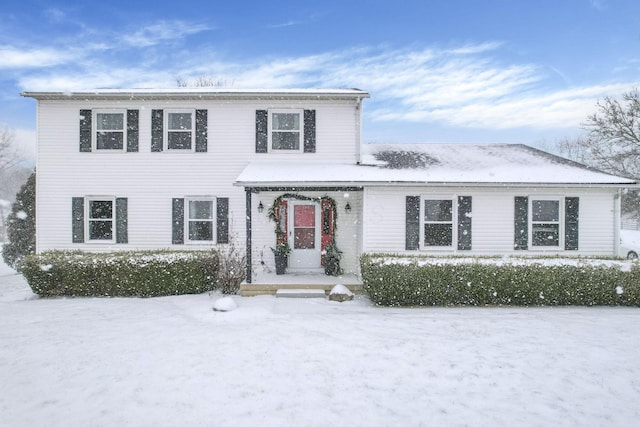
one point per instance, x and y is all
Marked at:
(190, 94)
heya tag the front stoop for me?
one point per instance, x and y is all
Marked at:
(253, 289)
(301, 293)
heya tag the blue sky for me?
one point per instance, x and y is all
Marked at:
(519, 71)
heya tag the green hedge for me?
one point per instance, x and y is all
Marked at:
(121, 274)
(419, 281)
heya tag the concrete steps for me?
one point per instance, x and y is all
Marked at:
(301, 293)
(251, 289)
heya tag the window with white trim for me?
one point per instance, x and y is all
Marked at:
(200, 223)
(100, 215)
(285, 130)
(545, 222)
(438, 222)
(109, 130)
(179, 129)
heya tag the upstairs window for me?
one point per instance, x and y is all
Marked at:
(110, 128)
(545, 222)
(285, 130)
(179, 130)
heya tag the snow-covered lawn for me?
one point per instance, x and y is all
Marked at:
(308, 362)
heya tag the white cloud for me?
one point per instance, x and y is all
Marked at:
(14, 58)
(285, 24)
(465, 86)
(162, 31)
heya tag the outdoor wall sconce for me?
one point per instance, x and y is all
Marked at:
(260, 207)
(347, 208)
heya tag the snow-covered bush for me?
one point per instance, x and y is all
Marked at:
(21, 225)
(416, 281)
(141, 274)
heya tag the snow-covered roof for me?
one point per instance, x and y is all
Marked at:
(437, 164)
(198, 93)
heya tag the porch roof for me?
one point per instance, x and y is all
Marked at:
(433, 164)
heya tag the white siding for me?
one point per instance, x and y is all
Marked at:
(492, 219)
(150, 180)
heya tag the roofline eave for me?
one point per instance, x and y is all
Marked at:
(308, 184)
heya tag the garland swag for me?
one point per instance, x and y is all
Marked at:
(278, 201)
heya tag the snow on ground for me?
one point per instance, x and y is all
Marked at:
(311, 362)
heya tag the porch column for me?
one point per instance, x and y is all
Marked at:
(248, 216)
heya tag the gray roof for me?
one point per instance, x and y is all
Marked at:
(437, 164)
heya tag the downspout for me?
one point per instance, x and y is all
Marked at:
(617, 221)
(248, 244)
(358, 130)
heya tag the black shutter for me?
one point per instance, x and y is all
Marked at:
(177, 219)
(157, 117)
(464, 223)
(201, 131)
(262, 131)
(521, 223)
(122, 234)
(85, 131)
(571, 219)
(222, 220)
(309, 131)
(132, 131)
(412, 241)
(77, 219)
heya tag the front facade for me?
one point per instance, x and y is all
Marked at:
(199, 168)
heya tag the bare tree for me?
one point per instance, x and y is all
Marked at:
(12, 175)
(611, 142)
(613, 135)
(203, 81)
(9, 156)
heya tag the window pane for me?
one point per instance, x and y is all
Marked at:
(438, 210)
(200, 230)
(304, 238)
(200, 209)
(285, 121)
(110, 121)
(304, 216)
(179, 140)
(179, 121)
(438, 234)
(545, 235)
(100, 209)
(110, 140)
(545, 210)
(100, 230)
(286, 141)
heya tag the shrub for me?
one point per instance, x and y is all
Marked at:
(419, 281)
(232, 268)
(120, 274)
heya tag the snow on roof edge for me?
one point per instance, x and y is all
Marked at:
(201, 92)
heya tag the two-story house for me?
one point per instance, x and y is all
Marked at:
(196, 168)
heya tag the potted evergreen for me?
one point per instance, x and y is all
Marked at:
(332, 256)
(281, 254)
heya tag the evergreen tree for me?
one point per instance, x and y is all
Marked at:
(21, 225)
